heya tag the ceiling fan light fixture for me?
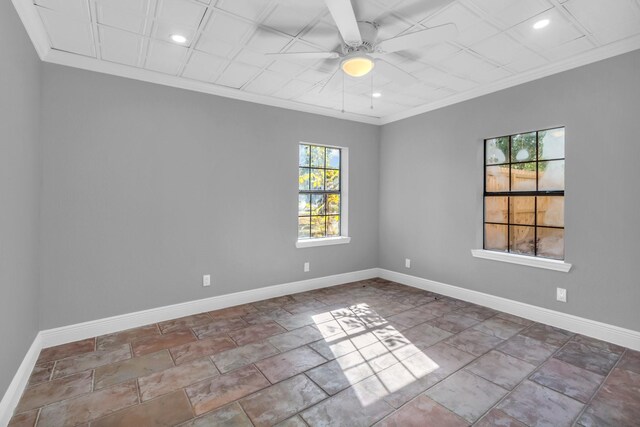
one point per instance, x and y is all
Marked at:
(357, 65)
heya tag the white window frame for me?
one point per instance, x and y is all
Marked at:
(344, 203)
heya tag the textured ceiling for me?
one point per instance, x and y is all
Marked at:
(227, 40)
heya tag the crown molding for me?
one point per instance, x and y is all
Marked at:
(36, 30)
(595, 55)
(34, 26)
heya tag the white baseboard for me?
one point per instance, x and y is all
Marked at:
(93, 328)
(580, 325)
(19, 382)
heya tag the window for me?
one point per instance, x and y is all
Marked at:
(321, 193)
(524, 194)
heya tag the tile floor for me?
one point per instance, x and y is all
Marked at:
(365, 353)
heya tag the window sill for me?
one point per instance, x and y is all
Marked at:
(311, 243)
(549, 264)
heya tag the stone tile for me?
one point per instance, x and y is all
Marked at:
(497, 418)
(478, 312)
(260, 317)
(438, 308)
(109, 341)
(66, 350)
(358, 406)
(414, 375)
(420, 412)
(292, 422)
(152, 344)
(75, 364)
(568, 379)
(341, 373)
(241, 356)
(89, 407)
(630, 361)
(55, 391)
(219, 326)
(168, 410)
(196, 350)
(281, 401)
(424, 336)
(500, 328)
(256, 333)
(163, 382)
(301, 307)
(616, 403)
(474, 342)
(587, 357)
(599, 344)
(282, 366)
(411, 318)
(453, 322)
(237, 311)
(515, 319)
(26, 419)
(41, 373)
(132, 368)
(186, 322)
(294, 339)
(273, 303)
(216, 392)
(535, 405)
(466, 394)
(527, 349)
(334, 346)
(501, 369)
(229, 416)
(379, 357)
(547, 334)
(312, 317)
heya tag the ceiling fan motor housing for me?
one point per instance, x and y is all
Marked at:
(369, 34)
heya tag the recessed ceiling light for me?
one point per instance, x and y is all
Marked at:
(541, 24)
(376, 94)
(178, 38)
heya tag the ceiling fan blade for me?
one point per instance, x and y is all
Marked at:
(420, 38)
(416, 12)
(334, 81)
(306, 55)
(396, 74)
(345, 19)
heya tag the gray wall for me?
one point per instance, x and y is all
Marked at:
(431, 191)
(19, 192)
(146, 188)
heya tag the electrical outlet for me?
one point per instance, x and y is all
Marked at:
(407, 262)
(206, 280)
(561, 295)
(306, 267)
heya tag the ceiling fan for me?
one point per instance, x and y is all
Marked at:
(361, 50)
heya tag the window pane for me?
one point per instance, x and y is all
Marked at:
(317, 179)
(522, 240)
(495, 237)
(333, 180)
(497, 151)
(333, 158)
(317, 157)
(523, 177)
(317, 204)
(523, 147)
(522, 210)
(497, 178)
(304, 227)
(496, 209)
(333, 226)
(551, 242)
(551, 145)
(551, 175)
(303, 179)
(304, 204)
(318, 227)
(551, 211)
(303, 155)
(333, 203)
